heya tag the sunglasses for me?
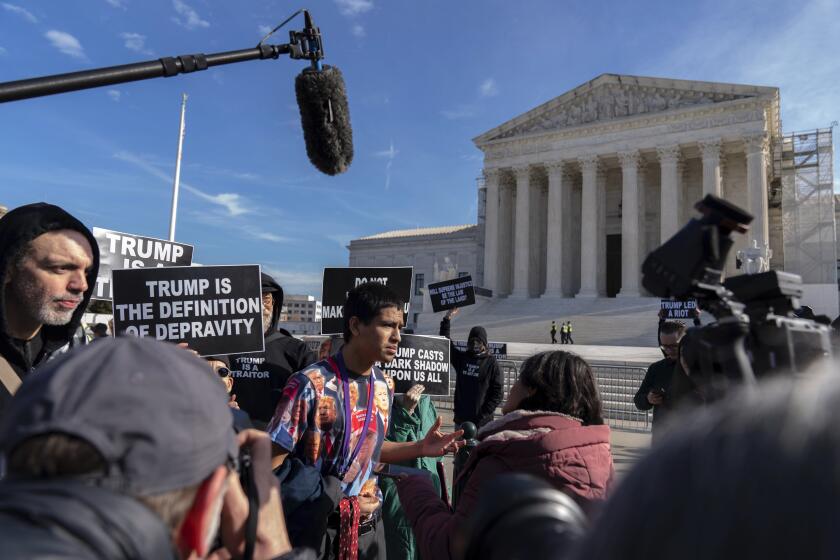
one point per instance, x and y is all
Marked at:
(223, 372)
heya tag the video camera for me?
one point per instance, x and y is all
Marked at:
(755, 333)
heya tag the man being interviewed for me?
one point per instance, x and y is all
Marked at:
(373, 317)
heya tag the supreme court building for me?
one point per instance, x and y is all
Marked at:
(577, 191)
(580, 189)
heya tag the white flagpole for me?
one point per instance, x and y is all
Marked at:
(173, 216)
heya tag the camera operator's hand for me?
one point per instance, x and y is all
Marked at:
(451, 313)
(412, 397)
(272, 538)
(655, 397)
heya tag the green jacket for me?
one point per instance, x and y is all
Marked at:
(406, 427)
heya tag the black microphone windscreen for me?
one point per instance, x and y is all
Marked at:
(325, 118)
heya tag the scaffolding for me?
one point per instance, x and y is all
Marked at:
(804, 163)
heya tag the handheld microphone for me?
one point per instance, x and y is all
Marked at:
(325, 118)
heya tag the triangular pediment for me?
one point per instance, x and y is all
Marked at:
(611, 96)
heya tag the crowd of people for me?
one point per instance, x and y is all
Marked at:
(134, 448)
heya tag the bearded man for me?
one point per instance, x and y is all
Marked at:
(48, 266)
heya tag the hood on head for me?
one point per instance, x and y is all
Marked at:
(479, 333)
(270, 286)
(17, 229)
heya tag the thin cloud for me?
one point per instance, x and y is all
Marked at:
(358, 31)
(121, 4)
(135, 42)
(65, 43)
(114, 94)
(390, 153)
(3, 51)
(268, 236)
(264, 30)
(460, 112)
(187, 17)
(488, 88)
(354, 7)
(233, 203)
(22, 12)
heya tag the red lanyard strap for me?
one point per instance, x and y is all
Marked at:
(344, 465)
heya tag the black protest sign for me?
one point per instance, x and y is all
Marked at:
(497, 349)
(421, 359)
(339, 281)
(679, 309)
(214, 309)
(119, 250)
(449, 294)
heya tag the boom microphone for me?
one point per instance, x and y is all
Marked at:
(325, 118)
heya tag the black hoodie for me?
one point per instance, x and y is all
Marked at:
(259, 378)
(478, 381)
(17, 229)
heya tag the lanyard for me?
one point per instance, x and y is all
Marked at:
(348, 418)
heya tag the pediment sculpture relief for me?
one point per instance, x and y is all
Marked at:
(614, 101)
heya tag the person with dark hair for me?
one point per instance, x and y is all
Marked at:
(478, 377)
(99, 330)
(654, 392)
(753, 476)
(259, 378)
(553, 428)
(553, 332)
(105, 459)
(48, 266)
(352, 442)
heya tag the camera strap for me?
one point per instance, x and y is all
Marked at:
(247, 477)
(343, 465)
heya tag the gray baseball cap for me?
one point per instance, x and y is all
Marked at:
(157, 414)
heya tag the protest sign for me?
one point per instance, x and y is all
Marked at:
(214, 309)
(449, 294)
(678, 309)
(497, 349)
(124, 250)
(339, 281)
(421, 359)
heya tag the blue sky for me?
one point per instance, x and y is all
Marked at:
(423, 78)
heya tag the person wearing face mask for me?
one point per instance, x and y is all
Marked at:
(478, 381)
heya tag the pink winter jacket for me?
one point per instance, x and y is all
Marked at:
(574, 458)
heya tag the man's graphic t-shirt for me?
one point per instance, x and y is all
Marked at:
(310, 419)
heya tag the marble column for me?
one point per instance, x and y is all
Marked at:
(557, 186)
(710, 150)
(601, 259)
(630, 233)
(491, 230)
(589, 231)
(522, 229)
(670, 194)
(505, 262)
(757, 150)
